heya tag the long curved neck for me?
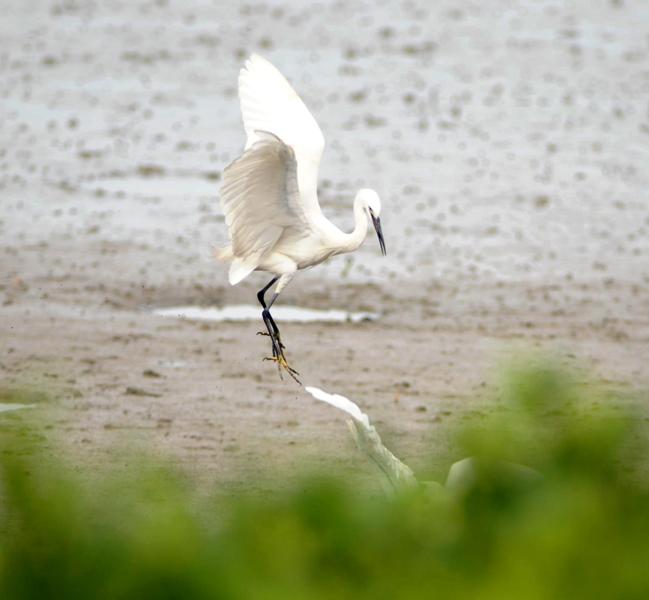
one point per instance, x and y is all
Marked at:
(357, 237)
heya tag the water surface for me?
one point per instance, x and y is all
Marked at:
(245, 312)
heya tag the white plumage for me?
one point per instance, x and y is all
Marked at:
(340, 402)
(269, 194)
(269, 103)
(368, 440)
(461, 477)
(260, 200)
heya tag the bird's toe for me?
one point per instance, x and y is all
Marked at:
(281, 362)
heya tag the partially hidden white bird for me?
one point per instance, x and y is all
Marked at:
(368, 440)
(269, 194)
(461, 478)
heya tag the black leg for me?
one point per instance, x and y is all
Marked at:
(262, 291)
(270, 317)
(267, 317)
(277, 347)
(273, 332)
(276, 350)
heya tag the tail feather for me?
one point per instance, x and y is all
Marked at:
(240, 269)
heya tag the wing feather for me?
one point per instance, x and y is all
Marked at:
(259, 201)
(269, 103)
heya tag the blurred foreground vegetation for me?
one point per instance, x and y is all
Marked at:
(581, 530)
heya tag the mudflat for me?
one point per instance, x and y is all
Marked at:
(509, 145)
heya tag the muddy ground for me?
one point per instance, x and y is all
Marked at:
(508, 140)
(200, 395)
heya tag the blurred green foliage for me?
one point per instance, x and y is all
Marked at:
(581, 530)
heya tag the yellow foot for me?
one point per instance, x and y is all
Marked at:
(282, 364)
(274, 338)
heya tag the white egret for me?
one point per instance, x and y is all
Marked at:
(368, 440)
(269, 194)
(462, 475)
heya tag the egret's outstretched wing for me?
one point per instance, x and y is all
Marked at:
(341, 402)
(259, 198)
(269, 103)
(368, 439)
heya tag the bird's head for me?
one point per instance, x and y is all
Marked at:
(372, 204)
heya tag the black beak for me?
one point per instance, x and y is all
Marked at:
(377, 225)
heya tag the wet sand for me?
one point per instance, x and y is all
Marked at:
(200, 395)
(509, 145)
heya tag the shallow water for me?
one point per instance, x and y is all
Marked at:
(155, 187)
(508, 140)
(13, 406)
(244, 312)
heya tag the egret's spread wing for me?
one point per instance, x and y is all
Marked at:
(341, 402)
(269, 103)
(259, 198)
(368, 440)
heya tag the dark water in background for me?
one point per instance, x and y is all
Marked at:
(509, 140)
